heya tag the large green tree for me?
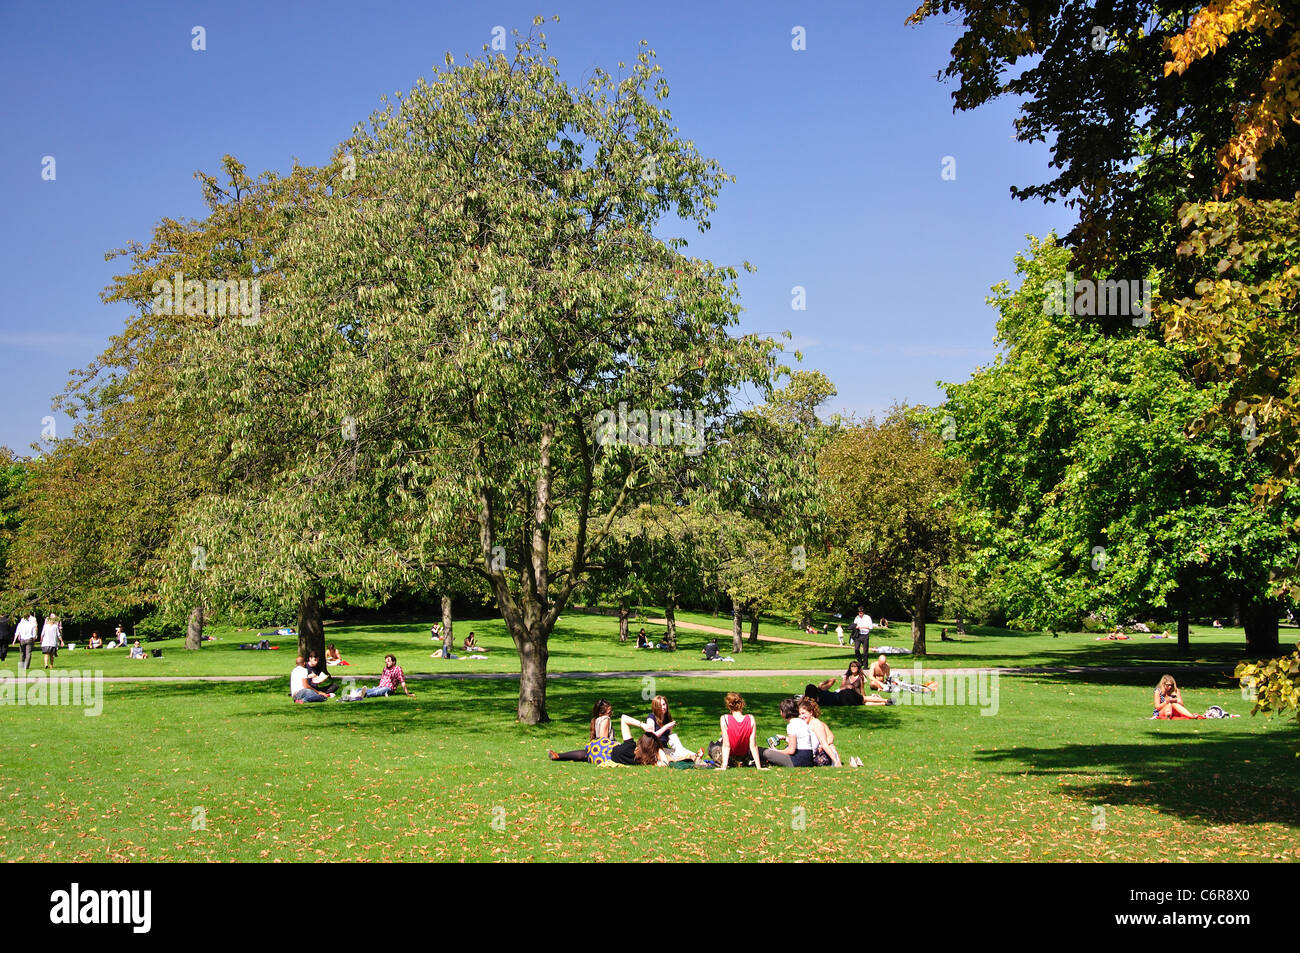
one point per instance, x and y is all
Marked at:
(104, 503)
(491, 360)
(1083, 488)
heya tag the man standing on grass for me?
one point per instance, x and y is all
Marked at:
(861, 634)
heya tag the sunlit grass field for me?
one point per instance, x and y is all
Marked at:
(1068, 768)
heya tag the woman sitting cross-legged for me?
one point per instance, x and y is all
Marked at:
(739, 735)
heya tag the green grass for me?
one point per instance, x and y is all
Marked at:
(426, 777)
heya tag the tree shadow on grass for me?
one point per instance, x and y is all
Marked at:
(1231, 778)
(490, 705)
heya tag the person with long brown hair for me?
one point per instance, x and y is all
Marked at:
(800, 742)
(826, 754)
(601, 737)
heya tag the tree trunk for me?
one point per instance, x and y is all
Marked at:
(670, 633)
(622, 622)
(737, 626)
(311, 626)
(1260, 619)
(753, 626)
(805, 619)
(446, 618)
(194, 631)
(920, 609)
(532, 676)
(1184, 630)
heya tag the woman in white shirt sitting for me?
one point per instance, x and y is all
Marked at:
(800, 742)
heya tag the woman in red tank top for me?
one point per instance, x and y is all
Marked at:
(739, 734)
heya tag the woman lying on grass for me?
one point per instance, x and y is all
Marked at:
(659, 721)
(601, 750)
(852, 690)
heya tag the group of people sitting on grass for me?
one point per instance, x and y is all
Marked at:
(808, 740)
(310, 682)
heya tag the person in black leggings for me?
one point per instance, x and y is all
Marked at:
(601, 728)
(850, 692)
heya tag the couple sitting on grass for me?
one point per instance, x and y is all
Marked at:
(852, 690)
(309, 675)
(658, 744)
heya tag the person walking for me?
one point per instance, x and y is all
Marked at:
(6, 633)
(51, 640)
(25, 638)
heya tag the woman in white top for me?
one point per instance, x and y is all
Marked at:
(25, 638)
(51, 639)
(800, 742)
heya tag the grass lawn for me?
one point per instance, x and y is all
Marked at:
(1069, 767)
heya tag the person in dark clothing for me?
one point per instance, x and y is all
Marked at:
(6, 633)
(315, 668)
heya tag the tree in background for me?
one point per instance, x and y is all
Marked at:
(887, 486)
(104, 503)
(13, 480)
(1082, 489)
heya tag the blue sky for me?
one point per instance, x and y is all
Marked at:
(837, 151)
